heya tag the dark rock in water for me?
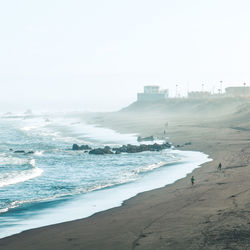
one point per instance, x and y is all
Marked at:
(188, 143)
(97, 151)
(10, 149)
(149, 138)
(130, 149)
(75, 147)
(82, 147)
(101, 151)
(30, 152)
(19, 151)
(85, 147)
(141, 148)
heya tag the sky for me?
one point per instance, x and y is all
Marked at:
(96, 55)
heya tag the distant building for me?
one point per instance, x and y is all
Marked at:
(199, 94)
(238, 91)
(152, 93)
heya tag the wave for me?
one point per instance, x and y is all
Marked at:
(15, 177)
(77, 191)
(156, 165)
(9, 160)
(149, 167)
(39, 153)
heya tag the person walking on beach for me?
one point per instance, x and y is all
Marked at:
(219, 166)
(192, 180)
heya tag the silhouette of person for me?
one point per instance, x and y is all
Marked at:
(219, 166)
(192, 180)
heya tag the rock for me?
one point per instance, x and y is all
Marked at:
(85, 147)
(75, 147)
(82, 147)
(143, 147)
(149, 138)
(96, 151)
(19, 151)
(30, 152)
(107, 150)
(130, 149)
(101, 151)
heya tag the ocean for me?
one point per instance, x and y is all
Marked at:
(50, 183)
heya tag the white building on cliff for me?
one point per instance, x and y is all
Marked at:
(152, 93)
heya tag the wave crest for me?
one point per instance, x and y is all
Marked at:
(15, 177)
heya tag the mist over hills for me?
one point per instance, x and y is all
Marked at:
(196, 107)
(154, 115)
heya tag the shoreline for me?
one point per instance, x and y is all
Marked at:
(94, 202)
(214, 214)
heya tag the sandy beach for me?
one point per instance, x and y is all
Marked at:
(212, 214)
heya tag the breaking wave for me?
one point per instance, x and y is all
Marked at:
(16, 176)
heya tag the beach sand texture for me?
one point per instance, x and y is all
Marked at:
(212, 214)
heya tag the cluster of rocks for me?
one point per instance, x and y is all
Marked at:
(123, 149)
(82, 147)
(22, 151)
(101, 151)
(185, 144)
(143, 147)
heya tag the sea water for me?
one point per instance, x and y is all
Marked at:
(54, 184)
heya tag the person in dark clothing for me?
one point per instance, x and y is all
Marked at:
(219, 166)
(192, 180)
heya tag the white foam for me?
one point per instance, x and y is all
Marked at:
(9, 160)
(39, 153)
(76, 129)
(15, 177)
(150, 167)
(28, 128)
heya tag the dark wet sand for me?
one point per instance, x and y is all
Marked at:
(213, 214)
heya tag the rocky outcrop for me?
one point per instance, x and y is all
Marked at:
(19, 152)
(185, 144)
(130, 149)
(22, 152)
(141, 148)
(101, 151)
(82, 147)
(30, 152)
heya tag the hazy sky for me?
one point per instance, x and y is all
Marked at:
(96, 54)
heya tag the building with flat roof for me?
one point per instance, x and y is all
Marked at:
(152, 93)
(238, 91)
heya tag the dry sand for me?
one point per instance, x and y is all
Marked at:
(212, 214)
